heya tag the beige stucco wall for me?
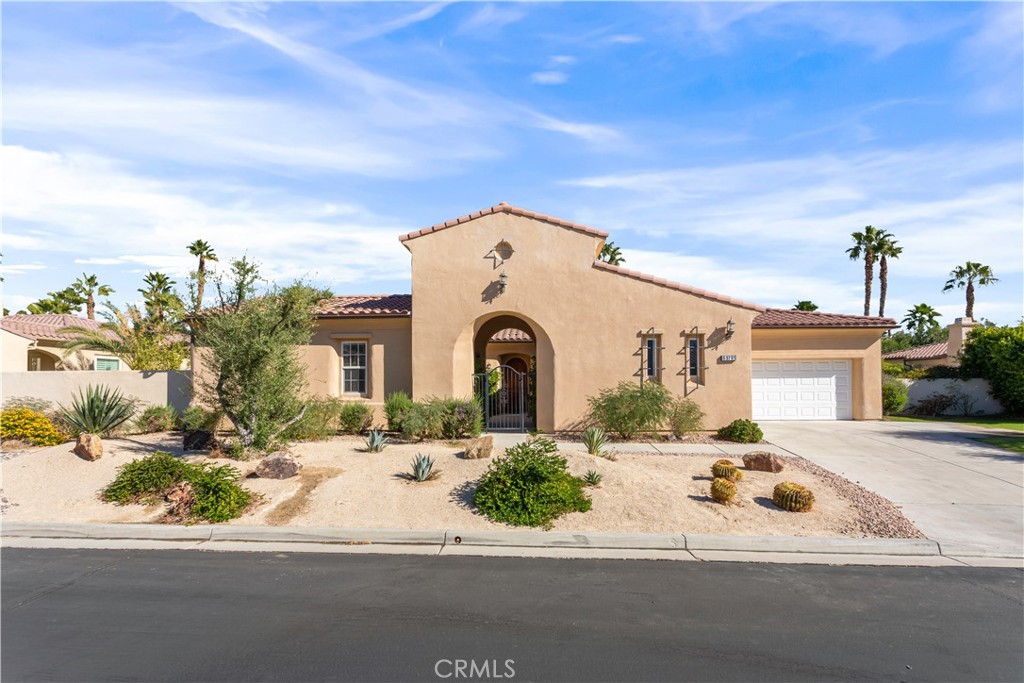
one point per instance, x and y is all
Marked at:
(585, 320)
(17, 350)
(151, 388)
(862, 346)
(503, 350)
(14, 352)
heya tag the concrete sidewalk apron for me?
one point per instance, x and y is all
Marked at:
(964, 494)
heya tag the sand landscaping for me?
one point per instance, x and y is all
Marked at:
(340, 485)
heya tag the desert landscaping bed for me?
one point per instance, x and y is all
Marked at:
(341, 485)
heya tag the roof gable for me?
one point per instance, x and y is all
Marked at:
(511, 210)
(46, 326)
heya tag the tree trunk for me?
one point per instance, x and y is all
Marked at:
(200, 283)
(970, 299)
(883, 284)
(869, 275)
(90, 307)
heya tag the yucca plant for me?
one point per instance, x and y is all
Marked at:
(594, 439)
(592, 478)
(376, 441)
(98, 410)
(423, 469)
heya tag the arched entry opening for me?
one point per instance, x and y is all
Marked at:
(512, 366)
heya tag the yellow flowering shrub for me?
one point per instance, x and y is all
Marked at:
(29, 425)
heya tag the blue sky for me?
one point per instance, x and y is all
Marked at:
(729, 146)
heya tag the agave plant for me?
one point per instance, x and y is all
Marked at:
(594, 439)
(376, 441)
(423, 469)
(98, 410)
(592, 478)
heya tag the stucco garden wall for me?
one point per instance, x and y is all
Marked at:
(976, 389)
(152, 388)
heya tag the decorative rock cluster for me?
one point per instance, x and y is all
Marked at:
(89, 447)
(479, 448)
(762, 461)
(278, 465)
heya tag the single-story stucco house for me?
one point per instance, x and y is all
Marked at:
(510, 287)
(35, 342)
(940, 353)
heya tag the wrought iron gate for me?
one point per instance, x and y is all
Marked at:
(502, 392)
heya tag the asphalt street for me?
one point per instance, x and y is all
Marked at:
(104, 615)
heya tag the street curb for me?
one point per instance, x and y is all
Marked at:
(207, 534)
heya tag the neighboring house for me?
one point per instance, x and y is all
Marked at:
(506, 285)
(35, 342)
(940, 353)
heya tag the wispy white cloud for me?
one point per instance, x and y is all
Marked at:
(549, 77)
(21, 268)
(625, 39)
(99, 261)
(491, 17)
(994, 55)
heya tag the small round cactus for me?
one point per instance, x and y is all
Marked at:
(793, 497)
(725, 469)
(723, 490)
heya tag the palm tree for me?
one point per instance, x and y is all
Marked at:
(966, 276)
(920, 320)
(865, 245)
(89, 287)
(141, 342)
(611, 254)
(887, 248)
(805, 306)
(159, 296)
(204, 252)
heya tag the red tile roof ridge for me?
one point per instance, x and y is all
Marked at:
(923, 352)
(509, 209)
(780, 317)
(661, 282)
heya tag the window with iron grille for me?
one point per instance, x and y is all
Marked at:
(652, 357)
(353, 367)
(694, 355)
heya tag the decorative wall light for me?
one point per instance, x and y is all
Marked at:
(730, 328)
(502, 282)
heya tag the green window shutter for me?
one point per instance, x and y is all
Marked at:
(107, 364)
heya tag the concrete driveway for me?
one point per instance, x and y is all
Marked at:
(966, 495)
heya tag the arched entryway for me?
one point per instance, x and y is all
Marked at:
(513, 373)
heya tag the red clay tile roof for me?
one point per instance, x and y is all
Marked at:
(366, 305)
(926, 352)
(504, 208)
(777, 317)
(510, 335)
(46, 326)
(601, 265)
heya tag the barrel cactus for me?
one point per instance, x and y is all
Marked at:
(723, 490)
(725, 469)
(793, 497)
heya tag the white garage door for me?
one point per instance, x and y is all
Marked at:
(802, 389)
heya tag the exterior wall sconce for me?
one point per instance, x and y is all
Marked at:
(730, 328)
(502, 282)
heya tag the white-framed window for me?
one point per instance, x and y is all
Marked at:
(694, 358)
(353, 367)
(106, 363)
(652, 357)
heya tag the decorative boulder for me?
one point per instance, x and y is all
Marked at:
(479, 448)
(89, 447)
(279, 465)
(762, 461)
(199, 440)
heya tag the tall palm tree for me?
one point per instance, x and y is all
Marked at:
(886, 248)
(611, 254)
(865, 245)
(159, 296)
(89, 287)
(966, 276)
(204, 252)
(920, 320)
(805, 306)
(141, 343)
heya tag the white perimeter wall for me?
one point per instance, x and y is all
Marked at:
(977, 389)
(152, 388)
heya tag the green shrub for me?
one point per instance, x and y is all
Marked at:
(98, 410)
(423, 421)
(319, 422)
(932, 406)
(741, 431)
(196, 418)
(355, 417)
(217, 497)
(685, 416)
(29, 425)
(629, 409)
(997, 355)
(894, 395)
(396, 405)
(460, 417)
(156, 419)
(530, 486)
